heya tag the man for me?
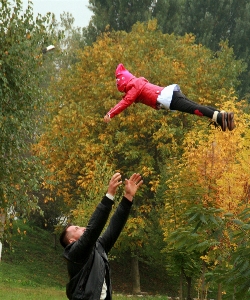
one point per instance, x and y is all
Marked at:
(139, 90)
(86, 251)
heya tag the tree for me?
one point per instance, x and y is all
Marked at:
(71, 40)
(213, 21)
(22, 40)
(236, 278)
(119, 15)
(68, 115)
(169, 14)
(204, 197)
(78, 147)
(123, 14)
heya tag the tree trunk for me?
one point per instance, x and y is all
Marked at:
(181, 286)
(189, 286)
(219, 294)
(55, 240)
(203, 283)
(1, 247)
(2, 222)
(135, 275)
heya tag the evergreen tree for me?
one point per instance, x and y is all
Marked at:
(123, 14)
(168, 15)
(213, 21)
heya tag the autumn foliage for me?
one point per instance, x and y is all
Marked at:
(139, 137)
(184, 162)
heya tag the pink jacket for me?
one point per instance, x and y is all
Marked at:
(138, 90)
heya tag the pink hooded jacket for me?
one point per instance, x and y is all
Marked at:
(137, 90)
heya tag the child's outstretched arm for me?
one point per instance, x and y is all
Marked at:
(119, 107)
(128, 99)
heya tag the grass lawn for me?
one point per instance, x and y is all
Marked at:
(33, 269)
(22, 293)
(8, 292)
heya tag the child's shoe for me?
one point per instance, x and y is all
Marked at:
(230, 121)
(221, 119)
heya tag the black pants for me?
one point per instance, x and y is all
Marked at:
(181, 103)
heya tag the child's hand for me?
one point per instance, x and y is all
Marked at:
(107, 119)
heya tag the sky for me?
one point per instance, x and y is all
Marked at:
(78, 9)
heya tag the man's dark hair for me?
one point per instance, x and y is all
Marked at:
(63, 239)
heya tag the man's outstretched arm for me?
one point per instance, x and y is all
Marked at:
(121, 214)
(87, 240)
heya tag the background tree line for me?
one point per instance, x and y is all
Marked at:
(178, 202)
(192, 214)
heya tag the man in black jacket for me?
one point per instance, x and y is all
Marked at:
(86, 251)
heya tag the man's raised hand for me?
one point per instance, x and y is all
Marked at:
(115, 181)
(131, 186)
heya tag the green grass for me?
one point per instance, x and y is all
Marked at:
(14, 286)
(33, 268)
(33, 260)
(26, 293)
(126, 297)
(8, 292)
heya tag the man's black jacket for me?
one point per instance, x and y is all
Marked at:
(87, 257)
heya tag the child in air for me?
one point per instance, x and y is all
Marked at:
(139, 90)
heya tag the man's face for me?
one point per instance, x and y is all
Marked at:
(74, 233)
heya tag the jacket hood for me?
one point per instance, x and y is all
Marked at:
(123, 76)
